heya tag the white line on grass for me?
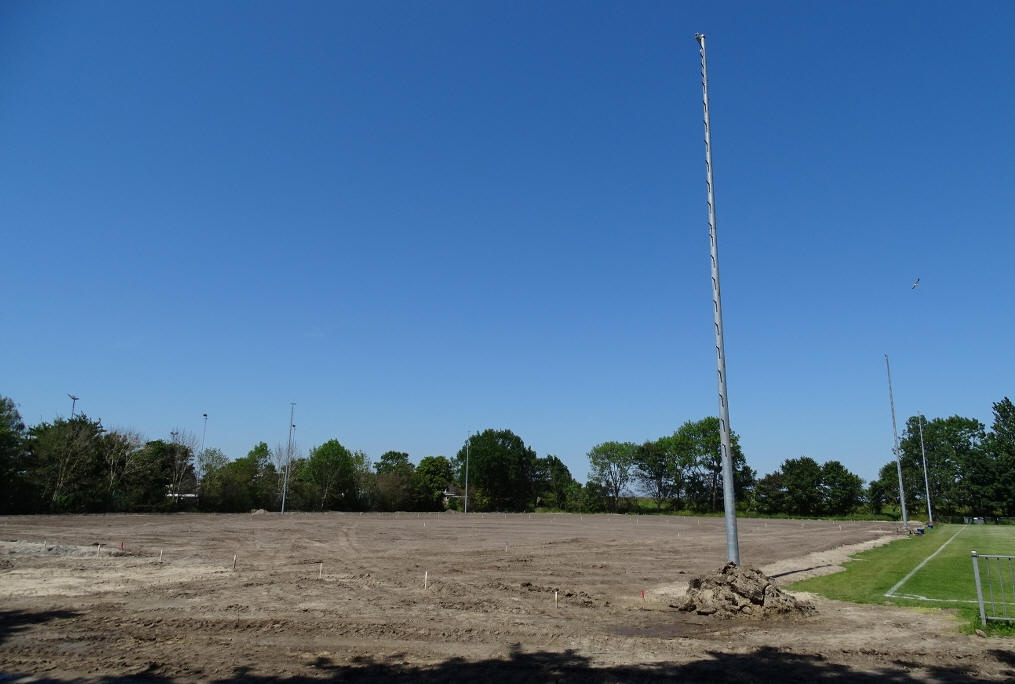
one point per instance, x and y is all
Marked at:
(917, 597)
(891, 592)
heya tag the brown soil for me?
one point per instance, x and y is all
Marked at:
(507, 598)
(735, 592)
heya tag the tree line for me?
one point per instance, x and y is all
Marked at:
(75, 465)
(970, 470)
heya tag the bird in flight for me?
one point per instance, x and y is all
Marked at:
(916, 283)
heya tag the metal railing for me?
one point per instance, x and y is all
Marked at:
(995, 586)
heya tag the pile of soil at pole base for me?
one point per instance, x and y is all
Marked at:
(735, 592)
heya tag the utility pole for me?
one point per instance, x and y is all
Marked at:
(729, 500)
(895, 449)
(926, 478)
(468, 442)
(288, 454)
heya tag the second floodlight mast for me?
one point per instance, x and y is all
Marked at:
(926, 477)
(895, 448)
(729, 500)
(288, 454)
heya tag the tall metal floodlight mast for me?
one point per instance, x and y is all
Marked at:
(926, 478)
(288, 454)
(895, 449)
(729, 501)
(468, 443)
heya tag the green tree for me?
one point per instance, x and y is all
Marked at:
(178, 457)
(843, 490)
(654, 470)
(801, 478)
(147, 483)
(67, 465)
(593, 498)
(770, 494)
(393, 484)
(610, 465)
(887, 485)
(876, 495)
(393, 490)
(245, 484)
(702, 441)
(343, 478)
(394, 461)
(1000, 443)
(553, 480)
(678, 449)
(501, 471)
(210, 460)
(123, 465)
(960, 471)
(430, 479)
(15, 491)
(330, 467)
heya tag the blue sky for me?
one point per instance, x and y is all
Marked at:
(421, 219)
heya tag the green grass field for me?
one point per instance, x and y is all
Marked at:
(894, 574)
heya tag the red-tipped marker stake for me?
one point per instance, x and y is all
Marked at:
(642, 594)
(121, 545)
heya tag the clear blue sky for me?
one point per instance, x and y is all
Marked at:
(421, 219)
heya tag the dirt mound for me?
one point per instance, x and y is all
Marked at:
(738, 592)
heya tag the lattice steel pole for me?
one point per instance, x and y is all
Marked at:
(729, 500)
(895, 449)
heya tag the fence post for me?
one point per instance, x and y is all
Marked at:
(979, 589)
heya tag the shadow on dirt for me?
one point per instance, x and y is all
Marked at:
(13, 621)
(1007, 657)
(800, 571)
(763, 665)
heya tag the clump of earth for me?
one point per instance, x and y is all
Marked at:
(737, 592)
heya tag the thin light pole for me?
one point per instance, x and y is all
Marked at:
(729, 499)
(926, 478)
(895, 449)
(73, 403)
(204, 432)
(288, 454)
(468, 442)
(176, 457)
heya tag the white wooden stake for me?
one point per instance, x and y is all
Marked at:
(234, 561)
(426, 576)
(555, 598)
(160, 554)
(320, 573)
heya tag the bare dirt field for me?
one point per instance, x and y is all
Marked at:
(341, 596)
